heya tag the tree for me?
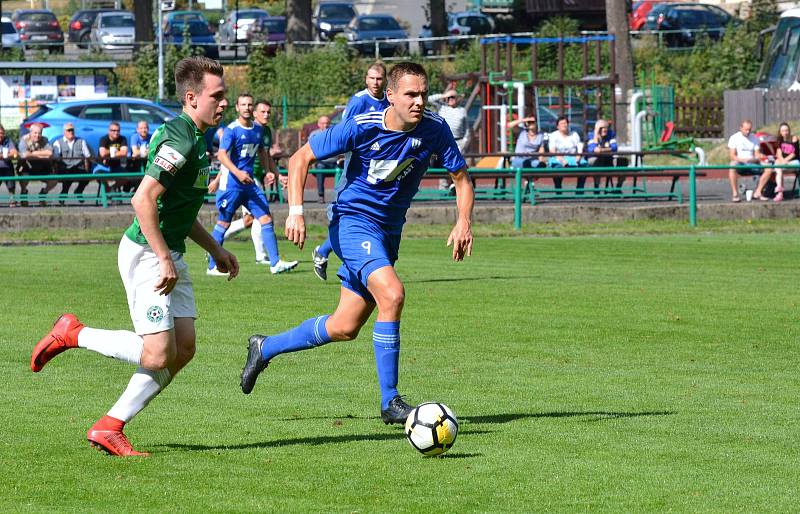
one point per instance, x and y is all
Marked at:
(438, 22)
(298, 21)
(617, 21)
(143, 12)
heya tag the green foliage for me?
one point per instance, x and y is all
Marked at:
(142, 74)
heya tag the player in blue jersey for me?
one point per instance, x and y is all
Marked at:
(242, 142)
(389, 153)
(370, 99)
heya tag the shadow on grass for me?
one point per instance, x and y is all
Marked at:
(596, 415)
(465, 279)
(303, 441)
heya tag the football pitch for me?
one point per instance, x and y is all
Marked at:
(605, 373)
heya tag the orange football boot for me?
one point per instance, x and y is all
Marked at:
(112, 442)
(62, 337)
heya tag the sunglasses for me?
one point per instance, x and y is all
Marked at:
(69, 130)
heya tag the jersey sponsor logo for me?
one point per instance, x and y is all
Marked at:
(169, 159)
(388, 170)
(375, 147)
(201, 182)
(415, 142)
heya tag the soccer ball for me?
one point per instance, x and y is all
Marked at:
(431, 428)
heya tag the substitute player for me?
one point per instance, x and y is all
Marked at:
(242, 142)
(150, 259)
(390, 152)
(370, 99)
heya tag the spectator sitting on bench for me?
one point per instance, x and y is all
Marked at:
(139, 146)
(604, 143)
(743, 148)
(786, 153)
(9, 151)
(111, 148)
(72, 154)
(35, 153)
(530, 140)
(567, 144)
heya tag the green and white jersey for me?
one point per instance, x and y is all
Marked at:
(258, 171)
(178, 160)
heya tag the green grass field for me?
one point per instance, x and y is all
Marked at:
(606, 373)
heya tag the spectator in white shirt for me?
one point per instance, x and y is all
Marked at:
(567, 144)
(743, 148)
(456, 118)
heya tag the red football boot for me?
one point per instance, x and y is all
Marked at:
(62, 337)
(111, 441)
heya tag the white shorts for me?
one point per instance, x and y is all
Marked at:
(140, 272)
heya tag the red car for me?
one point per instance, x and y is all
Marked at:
(639, 13)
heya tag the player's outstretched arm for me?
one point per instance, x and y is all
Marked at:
(226, 261)
(145, 205)
(298, 172)
(461, 235)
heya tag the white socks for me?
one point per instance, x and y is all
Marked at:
(234, 228)
(258, 241)
(144, 385)
(122, 345)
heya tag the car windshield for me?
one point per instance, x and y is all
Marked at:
(188, 17)
(196, 28)
(274, 26)
(118, 21)
(378, 23)
(476, 24)
(37, 16)
(251, 15)
(8, 28)
(336, 11)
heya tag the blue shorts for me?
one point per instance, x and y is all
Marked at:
(363, 248)
(254, 199)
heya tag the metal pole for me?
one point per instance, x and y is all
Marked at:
(518, 199)
(692, 197)
(160, 56)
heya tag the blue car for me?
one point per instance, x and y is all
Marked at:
(91, 117)
(200, 35)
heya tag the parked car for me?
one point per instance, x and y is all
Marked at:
(39, 28)
(10, 36)
(331, 18)
(638, 14)
(689, 20)
(269, 31)
(113, 31)
(172, 17)
(365, 29)
(233, 28)
(459, 24)
(79, 29)
(91, 117)
(199, 36)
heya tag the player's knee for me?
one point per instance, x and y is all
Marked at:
(185, 354)
(158, 360)
(265, 219)
(392, 299)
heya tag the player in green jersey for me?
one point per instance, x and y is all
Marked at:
(150, 258)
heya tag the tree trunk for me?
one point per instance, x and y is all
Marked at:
(298, 21)
(617, 20)
(143, 12)
(438, 23)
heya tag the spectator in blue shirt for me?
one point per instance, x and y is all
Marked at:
(603, 143)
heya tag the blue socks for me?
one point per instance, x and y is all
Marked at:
(271, 243)
(325, 248)
(219, 236)
(308, 334)
(386, 340)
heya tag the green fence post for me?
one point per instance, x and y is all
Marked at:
(284, 106)
(103, 194)
(692, 197)
(517, 199)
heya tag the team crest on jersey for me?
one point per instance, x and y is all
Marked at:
(375, 147)
(415, 142)
(155, 314)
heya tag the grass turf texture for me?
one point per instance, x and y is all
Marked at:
(611, 373)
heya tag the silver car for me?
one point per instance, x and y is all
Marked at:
(233, 28)
(113, 31)
(10, 36)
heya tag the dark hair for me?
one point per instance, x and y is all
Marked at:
(402, 69)
(780, 137)
(562, 117)
(244, 95)
(263, 101)
(190, 72)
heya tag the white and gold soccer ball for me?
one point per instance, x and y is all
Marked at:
(432, 428)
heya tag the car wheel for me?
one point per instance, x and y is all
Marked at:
(84, 41)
